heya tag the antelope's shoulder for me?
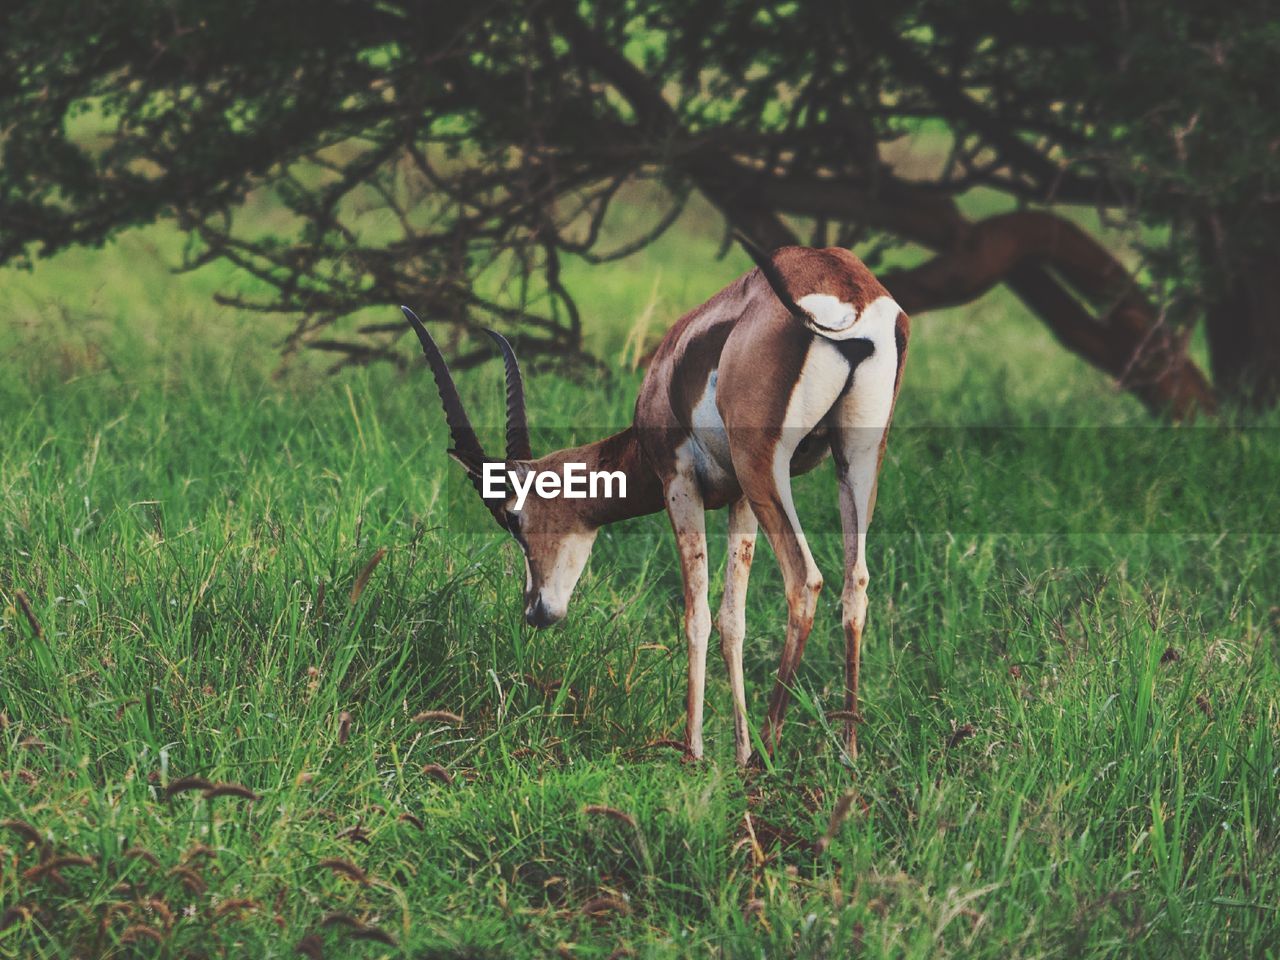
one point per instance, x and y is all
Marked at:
(690, 353)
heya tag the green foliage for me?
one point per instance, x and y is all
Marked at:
(462, 156)
(1175, 106)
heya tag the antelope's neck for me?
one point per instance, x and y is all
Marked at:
(619, 453)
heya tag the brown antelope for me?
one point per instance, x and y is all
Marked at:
(800, 357)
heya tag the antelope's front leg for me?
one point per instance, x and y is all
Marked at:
(688, 519)
(733, 617)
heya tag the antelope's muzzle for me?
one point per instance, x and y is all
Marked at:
(539, 615)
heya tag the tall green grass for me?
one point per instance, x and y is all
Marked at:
(1071, 716)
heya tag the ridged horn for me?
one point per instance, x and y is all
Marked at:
(518, 447)
(776, 281)
(466, 445)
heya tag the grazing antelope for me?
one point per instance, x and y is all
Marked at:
(800, 357)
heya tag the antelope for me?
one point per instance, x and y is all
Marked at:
(800, 357)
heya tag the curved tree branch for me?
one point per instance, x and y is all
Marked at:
(1024, 250)
(1039, 255)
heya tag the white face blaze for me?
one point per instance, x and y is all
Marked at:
(552, 573)
(554, 541)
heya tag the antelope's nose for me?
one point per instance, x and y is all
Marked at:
(539, 615)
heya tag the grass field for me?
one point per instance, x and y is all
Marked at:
(1071, 680)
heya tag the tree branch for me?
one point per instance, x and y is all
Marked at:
(1024, 250)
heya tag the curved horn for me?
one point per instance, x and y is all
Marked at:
(518, 447)
(465, 442)
(772, 274)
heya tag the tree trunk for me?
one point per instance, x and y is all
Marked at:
(1244, 334)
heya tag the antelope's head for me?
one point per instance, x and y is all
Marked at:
(555, 539)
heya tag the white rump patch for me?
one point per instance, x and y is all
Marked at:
(822, 377)
(837, 320)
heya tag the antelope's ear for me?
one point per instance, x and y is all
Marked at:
(470, 464)
(513, 474)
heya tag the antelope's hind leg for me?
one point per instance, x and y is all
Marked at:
(860, 431)
(768, 491)
(802, 581)
(857, 485)
(688, 520)
(762, 464)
